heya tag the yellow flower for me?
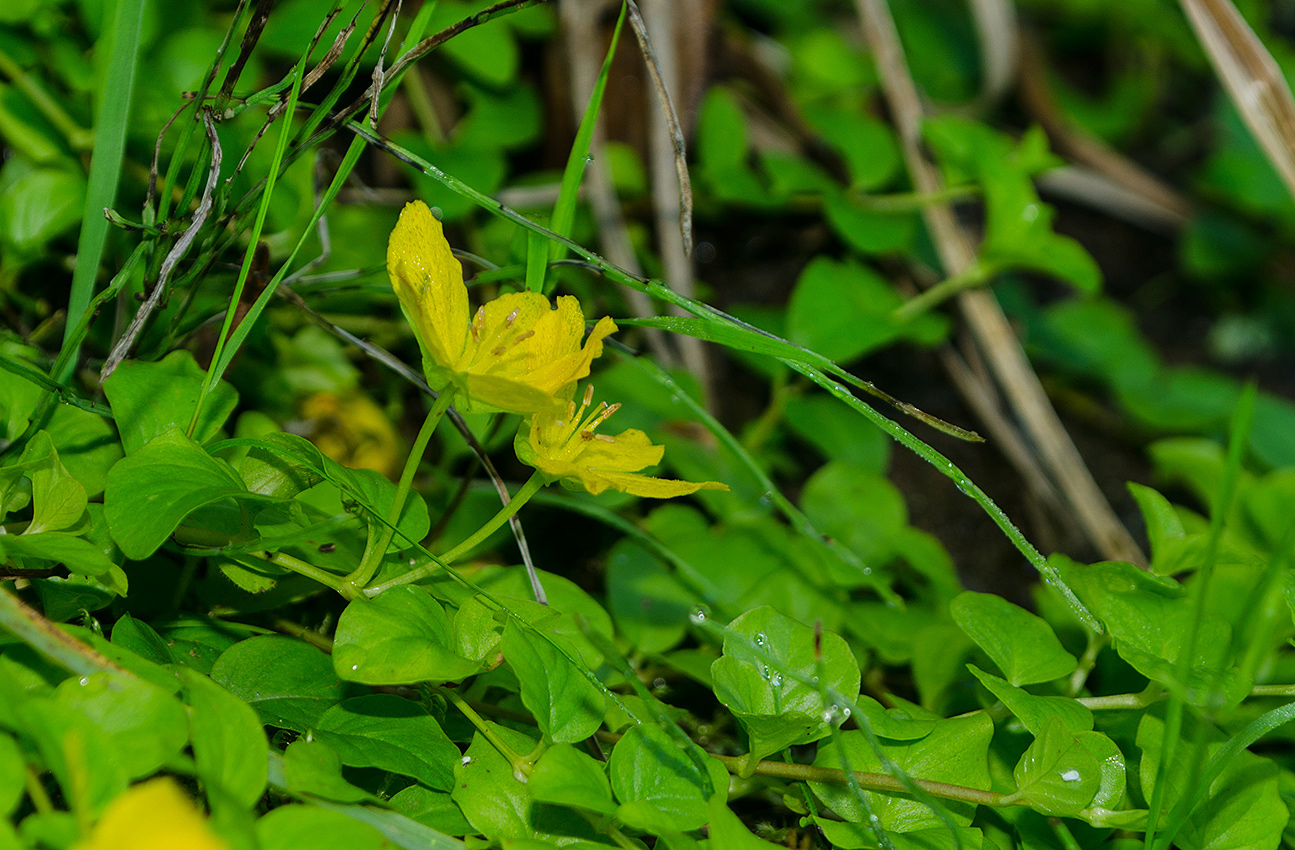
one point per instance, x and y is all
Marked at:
(564, 443)
(514, 355)
(353, 431)
(154, 815)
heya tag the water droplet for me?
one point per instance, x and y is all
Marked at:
(1030, 213)
(760, 639)
(845, 714)
(832, 716)
(658, 683)
(698, 614)
(355, 666)
(765, 672)
(776, 681)
(1071, 775)
(84, 680)
(466, 760)
(589, 158)
(766, 499)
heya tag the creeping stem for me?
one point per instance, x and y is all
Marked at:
(354, 584)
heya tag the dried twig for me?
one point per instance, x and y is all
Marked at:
(985, 318)
(1252, 78)
(181, 247)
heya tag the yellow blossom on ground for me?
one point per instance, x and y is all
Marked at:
(352, 430)
(564, 444)
(515, 354)
(154, 815)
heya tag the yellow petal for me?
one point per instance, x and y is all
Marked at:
(562, 370)
(496, 394)
(154, 815)
(628, 451)
(655, 488)
(429, 282)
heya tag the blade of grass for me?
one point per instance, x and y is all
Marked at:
(105, 165)
(1238, 438)
(564, 211)
(221, 357)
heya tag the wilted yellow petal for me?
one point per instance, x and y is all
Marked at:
(429, 282)
(353, 431)
(564, 444)
(154, 815)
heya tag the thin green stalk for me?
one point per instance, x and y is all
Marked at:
(296, 565)
(105, 164)
(971, 277)
(231, 313)
(363, 574)
(532, 486)
(519, 762)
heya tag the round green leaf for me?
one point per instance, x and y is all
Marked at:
(401, 637)
(288, 682)
(391, 733)
(147, 724)
(1022, 645)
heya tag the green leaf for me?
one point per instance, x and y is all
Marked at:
(431, 808)
(660, 788)
(650, 605)
(843, 310)
(293, 827)
(58, 499)
(39, 205)
(76, 553)
(869, 231)
(1243, 807)
(86, 760)
(149, 399)
(956, 751)
(567, 777)
(726, 829)
(564, 702)
(87, 446)
(490, 795)
(147, 725)
(401, 637)
(151, 491)
(289, 683)
(838, 432)
(311, 767)
(391, 733)
(760, 649)
(1035, 712)
(868, 145)
(1022, 645)
(1057, 775)
(1151, 622)
(229, 741)
(140, 638)
(13, 774)
(859, 507)
(900, 723)
(1165, 530)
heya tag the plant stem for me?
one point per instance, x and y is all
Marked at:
(529, 489)
(354, 584)
(519, 763)
(870, 781)
(974, 275)
(296, 565)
